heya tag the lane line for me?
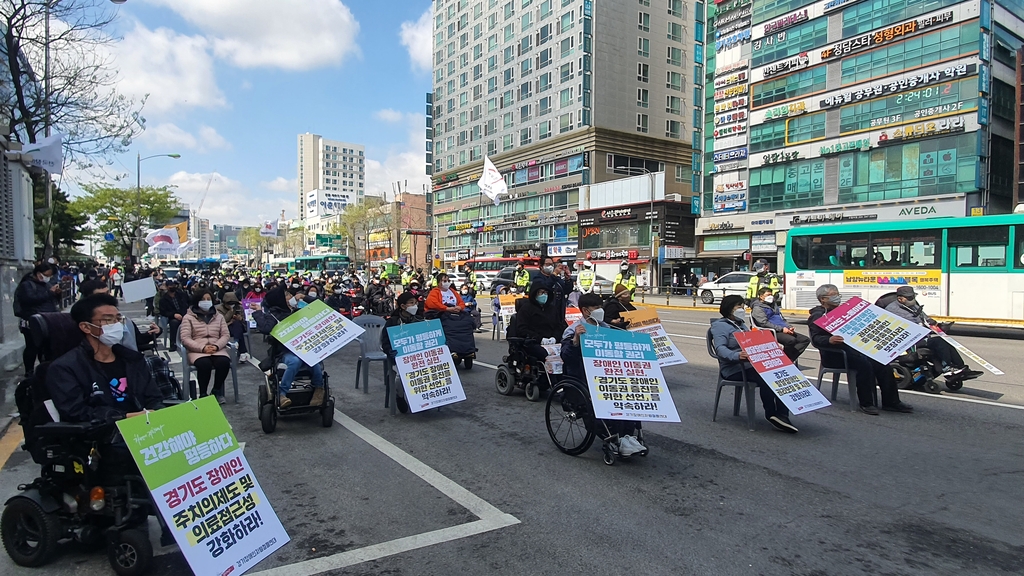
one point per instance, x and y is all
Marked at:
(10, 442)
(490, 517)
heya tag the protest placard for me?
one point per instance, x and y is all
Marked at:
(203, 487)
(315, 332)
(425, 365)
(138, 290)
(249, 306)
(508, 307)
(965, 351)
(646, 320)
(868, 329)
(779, 372)
(572, 314)
(625, 380)
(553, 362)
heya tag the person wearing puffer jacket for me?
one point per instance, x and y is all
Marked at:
(204, 334)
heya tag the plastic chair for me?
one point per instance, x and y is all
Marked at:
(186, 368)
(851, 377)
(739, 385)
(370, 349)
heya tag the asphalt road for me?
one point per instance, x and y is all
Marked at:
(479, 488)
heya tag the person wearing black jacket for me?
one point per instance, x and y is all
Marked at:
(278, 305)
(339, 301)
(101, 380)
(34, 295)
(868, 371)
(616, 305)
(537, 318)
(173, 306)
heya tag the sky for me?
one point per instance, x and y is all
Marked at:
(231, 84)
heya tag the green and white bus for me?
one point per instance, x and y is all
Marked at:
(322, 263)
(971, 269)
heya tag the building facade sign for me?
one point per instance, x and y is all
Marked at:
(562, 250)
(762, 243)
(954, 205)
(730, 155)
(798, 62)
(613, 255)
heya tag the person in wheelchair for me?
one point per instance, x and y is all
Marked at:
(278, 305)
(134, 338)
(538, 319)
(905, 306)
(408, 313)
(591, 306)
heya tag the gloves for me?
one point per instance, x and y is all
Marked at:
(547, 341)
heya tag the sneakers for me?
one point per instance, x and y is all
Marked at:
(222, 400)
(244, 357)
(318, 397)
(629, 446)
(285, 402)
(782, 423)
(869, 410)
(899, 407)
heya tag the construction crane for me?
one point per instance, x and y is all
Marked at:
(202, 199)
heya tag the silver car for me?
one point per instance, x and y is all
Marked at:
(731, 283)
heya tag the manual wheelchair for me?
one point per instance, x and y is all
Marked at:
(569, 416)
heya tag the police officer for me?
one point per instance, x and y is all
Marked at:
(625, 277)
(763, 278)
(586, 278)
(522, 279)
(471, 277)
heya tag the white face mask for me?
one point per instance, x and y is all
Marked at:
(312, 294)
(337, 291)
(112, 334)
(292, 302)
(205, 305)
(412, 309)
(597, 315)
(549, 269)
(445, 285)
(769, 299)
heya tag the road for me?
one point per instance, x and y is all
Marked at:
(479, 488)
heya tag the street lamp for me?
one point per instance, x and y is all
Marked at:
(138, 191)
(650, 176)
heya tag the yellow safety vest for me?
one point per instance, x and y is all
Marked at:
(523, 278)
(757, 282)
(586, 280)
(629, 283)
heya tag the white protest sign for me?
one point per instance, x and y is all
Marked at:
(315, 332)
(625, 380)
(964, 350)
(779, 372)
(425, 365)
(879, 335)
(138, 290)
(646, 321)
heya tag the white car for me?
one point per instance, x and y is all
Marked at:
(731, 283)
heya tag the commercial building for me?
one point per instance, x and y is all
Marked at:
(224, 239)
(331, 166)
(560, 94)
(821, 111)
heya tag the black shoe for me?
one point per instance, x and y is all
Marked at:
(782, 423)
(971, 374)
(870, 410)
(899, 407)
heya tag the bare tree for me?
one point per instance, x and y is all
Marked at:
(78, 97)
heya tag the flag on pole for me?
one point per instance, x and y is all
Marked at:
(182, 228)
(47, 153)
(269, 228)
(492, 183)
(162, 236)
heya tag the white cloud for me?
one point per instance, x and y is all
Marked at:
(417, 39)
(288, 34)
(389, 115)
(281, 184)
(175, 70)
(225, 197)
(169, 136)
(405, 164)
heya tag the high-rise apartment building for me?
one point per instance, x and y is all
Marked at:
(821, 111)
(559, 94)
(329, 165)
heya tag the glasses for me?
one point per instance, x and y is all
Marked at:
(107, 320)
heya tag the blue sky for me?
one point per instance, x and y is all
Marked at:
(232, 82)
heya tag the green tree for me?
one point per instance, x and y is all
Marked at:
(127, 212)
(250, 238)
(69, 224)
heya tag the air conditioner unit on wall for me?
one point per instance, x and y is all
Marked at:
(673, 197)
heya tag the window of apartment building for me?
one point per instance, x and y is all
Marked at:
(463, 40)
(642, 122)
(509, 76)
(673, 105)
(507, 142)
(643, 21)
(525, 90)
(790, 86)
(463, 138)
(675, 7)
(645, 2)
(526, 22)
(507, 120)
(491, 127)
(672, 128)
(492, 105)
(478, 31)
(566, 46)
(478, 10)
(681, 173)
(544, 58)
(544, 106)
(507, 99)
(525, 136)
(438, 75)
(510, 32)
(526, 67)
(450, 105)
(475, 114)
(463, 118)
(674, 80)
(478, 71)
(462, 157)
(492, 21)
(438, 39)
(565, 123)
(463, 99)
(526, 44)
(675, 31)
(474, 153)
(674, 56)
(492, 147)
(642, 97)
(544, 82)
(492, 42)
(565, 72)
(566, 22)
(544, 34)
(524, 113)
(544, 130)
(509, 9)
(642, 72)
(565, 98)
(492, 84)
(643, 47)
(492, 63)
(509, 54)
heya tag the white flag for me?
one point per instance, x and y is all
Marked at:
(269, 228)
(163, 236)
(491, 183)
(47, 153)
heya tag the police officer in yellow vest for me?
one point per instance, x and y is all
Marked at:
(522, 279)
(407, 277)
(763, 278)
(625, 277)
(586, 278)
(471, 277)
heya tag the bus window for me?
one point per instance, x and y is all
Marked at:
(1018, 258)
(918, 249)
(838, 252)
(979, 247)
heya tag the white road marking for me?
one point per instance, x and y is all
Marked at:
(684, 322)
(490, 518)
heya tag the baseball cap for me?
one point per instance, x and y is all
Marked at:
(906, 292)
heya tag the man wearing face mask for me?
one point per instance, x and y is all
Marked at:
(521, 278)
(34, 295)
(339, 300)
(537, 319)
(625, 277)
(555, 280)
(278, 305)
(867, 370)
(764, 312)
(906, 306)
(101, 380)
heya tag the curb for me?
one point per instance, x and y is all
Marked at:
(5, 424)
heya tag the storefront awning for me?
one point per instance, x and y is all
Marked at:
(726, 255)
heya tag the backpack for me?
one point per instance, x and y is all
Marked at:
(17, 305)
(164, 378)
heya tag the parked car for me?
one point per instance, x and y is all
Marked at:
(507, 277)
(731, 283)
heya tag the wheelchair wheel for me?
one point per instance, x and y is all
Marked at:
(130, 553)
(262, 400)
(327, 413)
(468, 363)
(532, 391)
(268, 418)
(567, 412)
(954, 384)
(402, 404)
(904, 379)
(931, 386)
(29, 534)
(504, 381)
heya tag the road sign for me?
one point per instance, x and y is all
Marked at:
(108, 237)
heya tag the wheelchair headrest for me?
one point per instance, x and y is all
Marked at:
(54, 333)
